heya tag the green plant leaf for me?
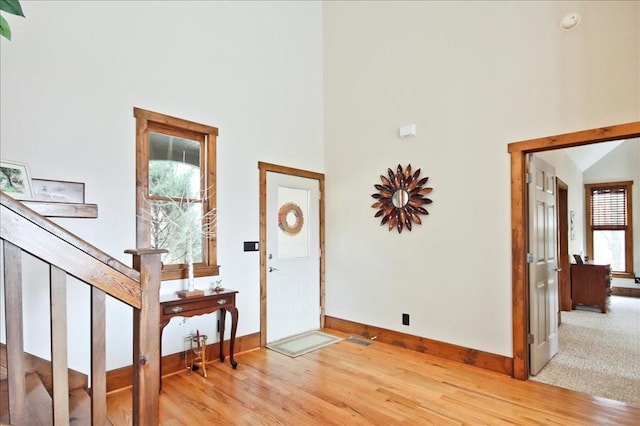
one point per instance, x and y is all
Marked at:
(5, 31)
(11, 6)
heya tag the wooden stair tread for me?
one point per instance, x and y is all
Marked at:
(38, 401)
(34, 364)
(39, 411)
(79, 407)
(4, 401)
(39, 404)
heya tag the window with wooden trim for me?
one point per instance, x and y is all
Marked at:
(609, 225)
(176, 192)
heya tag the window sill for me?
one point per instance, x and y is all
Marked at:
(622, 274)
(181, 272)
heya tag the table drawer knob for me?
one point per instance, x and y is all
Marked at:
(176, 309)
(222, 301)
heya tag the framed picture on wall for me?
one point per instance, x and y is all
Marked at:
(58, 191)
(572, 216)
(15, 180)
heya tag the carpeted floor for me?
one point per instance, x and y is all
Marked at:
(599, 354)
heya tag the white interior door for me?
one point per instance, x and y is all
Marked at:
(293, 256)
(543, 266)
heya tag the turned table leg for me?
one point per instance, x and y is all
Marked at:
(234, 326)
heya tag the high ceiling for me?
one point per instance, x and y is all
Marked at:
(587, 155)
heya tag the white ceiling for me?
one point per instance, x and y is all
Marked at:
(587, 155)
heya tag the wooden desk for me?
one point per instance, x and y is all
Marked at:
(173, 306)
(590, 285)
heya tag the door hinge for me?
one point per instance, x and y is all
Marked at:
(528, 177)
(530, 339)
(529, 257)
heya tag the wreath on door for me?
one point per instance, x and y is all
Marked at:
(283, 214)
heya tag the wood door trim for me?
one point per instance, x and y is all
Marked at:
(519, 225)
(564, 275)
(274, 168)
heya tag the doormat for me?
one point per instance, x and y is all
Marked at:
(303, 343)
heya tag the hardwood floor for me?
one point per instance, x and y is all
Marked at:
(350, 384)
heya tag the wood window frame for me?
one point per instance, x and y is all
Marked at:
(146, 122)
(628, 261)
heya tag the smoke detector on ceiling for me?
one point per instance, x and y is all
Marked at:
(570, 21)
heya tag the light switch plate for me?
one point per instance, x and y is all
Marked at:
(251, 246)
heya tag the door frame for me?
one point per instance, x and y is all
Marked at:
(564, 276)
(519, 223)
(264, 168)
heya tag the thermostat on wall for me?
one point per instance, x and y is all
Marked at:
(409, 130)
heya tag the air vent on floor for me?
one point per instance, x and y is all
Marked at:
(358, 340)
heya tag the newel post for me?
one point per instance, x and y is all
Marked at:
(146, 338)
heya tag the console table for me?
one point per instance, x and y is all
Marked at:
(225, 300)
(590, 285)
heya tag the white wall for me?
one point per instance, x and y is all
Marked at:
(70, 79)
(473, 77)
(622, 164)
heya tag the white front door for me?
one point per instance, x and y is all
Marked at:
(543, 273)
(292, 255)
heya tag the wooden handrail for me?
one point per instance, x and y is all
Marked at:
(24, 230)
(55, 245)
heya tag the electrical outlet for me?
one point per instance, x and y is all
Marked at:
(405, 319)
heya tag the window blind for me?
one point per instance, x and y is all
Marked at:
(609, 208)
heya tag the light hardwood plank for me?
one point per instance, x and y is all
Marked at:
(349, 384)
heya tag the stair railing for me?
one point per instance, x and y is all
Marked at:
(23, 230)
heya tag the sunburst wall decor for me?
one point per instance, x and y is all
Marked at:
(401, 198)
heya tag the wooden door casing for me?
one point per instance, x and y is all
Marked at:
(519, 226)
(564, 273)
(264, 168)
